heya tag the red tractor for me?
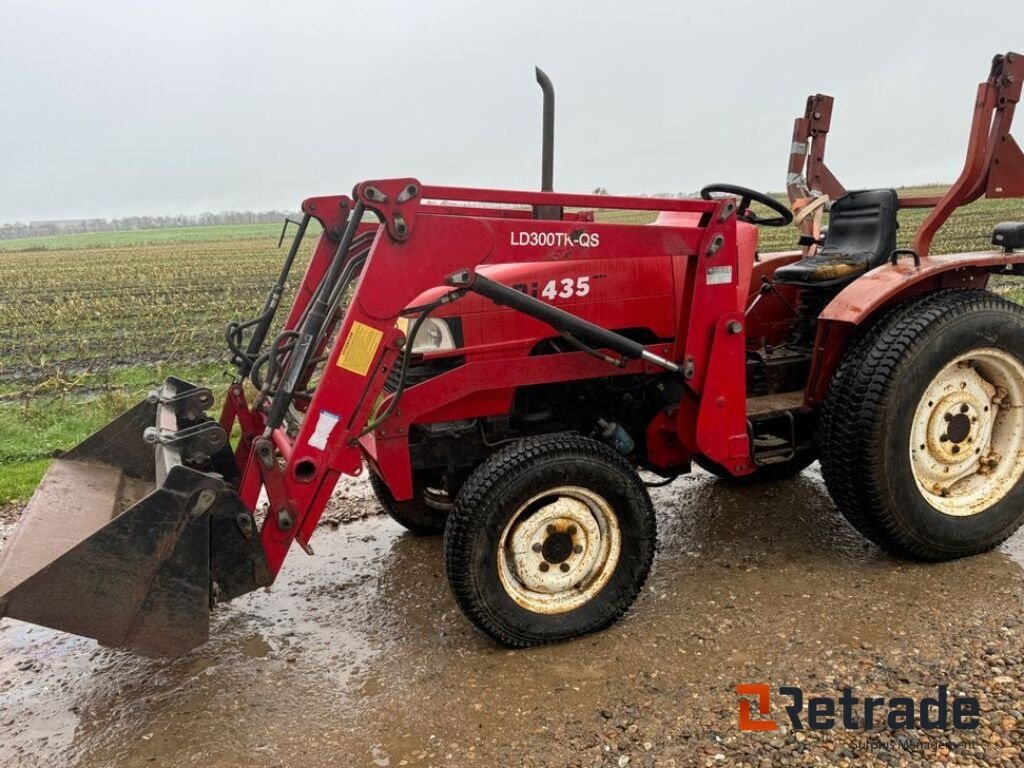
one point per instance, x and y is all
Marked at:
(503, 363)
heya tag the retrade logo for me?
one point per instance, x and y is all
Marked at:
(763, 694)
(939, 712)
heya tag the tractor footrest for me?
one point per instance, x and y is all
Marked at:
(775, 454)
(772, 438)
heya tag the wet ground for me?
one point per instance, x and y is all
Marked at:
(358, 656)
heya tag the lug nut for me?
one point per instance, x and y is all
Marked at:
(544, 566)
(537, 547)
(564, 567)
(964, 408)
(551, 529)
(947, 416)
(572, 530)
(578, 549)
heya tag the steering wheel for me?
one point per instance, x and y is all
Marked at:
(746, 196)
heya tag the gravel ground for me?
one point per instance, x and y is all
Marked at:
(358, 656)
(353, 500)
(9, 512)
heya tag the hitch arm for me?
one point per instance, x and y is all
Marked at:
(559, 319)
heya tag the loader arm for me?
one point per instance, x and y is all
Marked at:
(414, 248)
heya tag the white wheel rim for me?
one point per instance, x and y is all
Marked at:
(967, 436)
(559, 550)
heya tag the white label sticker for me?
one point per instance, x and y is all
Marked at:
(325, 424)
(719, 275)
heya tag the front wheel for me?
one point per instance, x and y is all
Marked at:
(927, 427)
(550, 538)
(424, 514)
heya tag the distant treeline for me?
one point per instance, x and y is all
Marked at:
(19, 230)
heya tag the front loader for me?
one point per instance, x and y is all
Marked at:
(503, 363)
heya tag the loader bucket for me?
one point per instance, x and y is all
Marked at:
(132, 534)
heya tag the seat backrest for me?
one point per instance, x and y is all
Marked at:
(863, 222)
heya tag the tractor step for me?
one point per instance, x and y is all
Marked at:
(770, 449)
(780, 402)
(772, 426)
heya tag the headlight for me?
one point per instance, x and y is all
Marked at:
(434, 335)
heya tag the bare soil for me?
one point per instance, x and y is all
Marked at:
(359, 657)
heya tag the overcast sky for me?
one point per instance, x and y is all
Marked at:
(117, 108)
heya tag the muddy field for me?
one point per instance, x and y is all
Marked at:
(358, 656)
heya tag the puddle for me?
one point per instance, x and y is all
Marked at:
(358, 655)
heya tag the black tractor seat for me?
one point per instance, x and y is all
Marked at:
(861, 235)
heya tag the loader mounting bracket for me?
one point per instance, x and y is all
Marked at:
(196, 443)
(395, 201)
(188, 404)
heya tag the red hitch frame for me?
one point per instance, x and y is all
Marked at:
(994, 166)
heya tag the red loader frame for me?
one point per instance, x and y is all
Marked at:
(414, 248)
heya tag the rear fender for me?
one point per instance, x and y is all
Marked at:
(862, 300)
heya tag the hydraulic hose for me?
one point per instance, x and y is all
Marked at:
(424, 312)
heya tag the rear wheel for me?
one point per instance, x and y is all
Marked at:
(424, 514)
(927, 429)
(549, 538)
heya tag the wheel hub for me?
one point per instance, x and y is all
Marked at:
(967, 419)
(558, 546)
(959, 424)
(559, 549)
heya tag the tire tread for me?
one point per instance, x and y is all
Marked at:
(484, 483)
(851, 427)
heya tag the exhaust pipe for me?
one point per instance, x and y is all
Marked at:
(547, 168)
(547, 164)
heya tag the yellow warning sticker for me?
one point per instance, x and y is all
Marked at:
(360, 348)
